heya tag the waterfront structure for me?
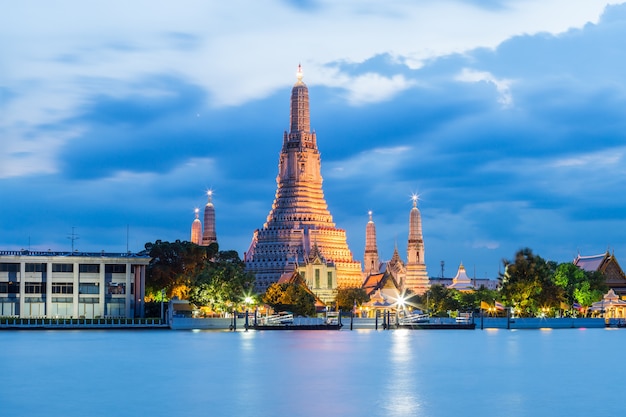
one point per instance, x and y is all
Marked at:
(209, 235)
(196, 229)
(299, 218)
(606, 264)
(72, 285)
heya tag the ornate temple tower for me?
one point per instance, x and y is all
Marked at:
(299, 218)
(209, 236)
(370, 259)
(196, 229)
(416, 275)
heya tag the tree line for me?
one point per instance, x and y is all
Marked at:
(206, 276)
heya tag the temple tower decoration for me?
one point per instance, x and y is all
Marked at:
(370, 259)
(299, 218)
(196, 229)
(416, 275)
(209, 236)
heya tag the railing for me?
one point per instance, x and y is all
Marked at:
(276, 319)
(16, 322)
(413, 319)
(464, 318)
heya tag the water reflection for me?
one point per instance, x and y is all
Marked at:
(291, 373)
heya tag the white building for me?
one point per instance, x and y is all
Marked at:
(72, 285)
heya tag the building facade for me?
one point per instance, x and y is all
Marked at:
(72, 285)
(299, 218)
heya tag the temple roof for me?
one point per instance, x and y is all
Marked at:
(590, 263)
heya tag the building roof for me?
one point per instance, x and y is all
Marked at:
(590, 263)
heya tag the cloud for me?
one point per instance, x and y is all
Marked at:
(503, 86)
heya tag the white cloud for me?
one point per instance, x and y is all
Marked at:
(502, 85)
(379, 162)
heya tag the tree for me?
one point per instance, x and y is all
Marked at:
(290, 297)
(347, 297)
(439, 300)
(578, 285)
(527, 283)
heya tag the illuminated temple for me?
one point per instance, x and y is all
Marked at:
(299, 229)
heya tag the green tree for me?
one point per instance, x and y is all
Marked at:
(527, 283)
(347, 297)
(440, 299)
(290, 297)
(578, 285)
(174, 264)
(223, 284)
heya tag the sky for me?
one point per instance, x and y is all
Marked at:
(507, 117)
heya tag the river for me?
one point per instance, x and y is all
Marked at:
(430, 373)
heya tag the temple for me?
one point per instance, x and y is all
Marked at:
(208, 234)
(196, 229)
(299, 219)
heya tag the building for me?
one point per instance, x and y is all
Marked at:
(410, 276)
(72, 285)
(461, 281)
(196, 229)
(299, 218)
(608, 266)
(209, 235)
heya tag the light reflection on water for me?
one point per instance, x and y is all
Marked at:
(314, 373)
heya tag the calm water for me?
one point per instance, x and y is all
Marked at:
(347, 373)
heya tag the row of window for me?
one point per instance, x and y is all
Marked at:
(329, 278)
(85, 268)
(61, 288)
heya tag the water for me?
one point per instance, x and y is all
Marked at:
(312, 373)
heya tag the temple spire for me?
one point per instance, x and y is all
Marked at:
(196, 229)
(416, 275)
(370, 259)
(209, 236)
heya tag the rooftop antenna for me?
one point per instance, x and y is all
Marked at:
(127, 229)
(73, 237)
(442, 266)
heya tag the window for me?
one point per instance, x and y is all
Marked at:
(330, 279)
(34, 288)
(62, 299)
(35, 267)
(317, 278)
(115, 269)
(9, 288)
(9, 267)
(88, 288)
(62, 267)
(89, 268)
(116, 288)
(89, 300)
(62, 288)
(303, 275)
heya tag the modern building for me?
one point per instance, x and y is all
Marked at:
(299, 218)
(72, 285)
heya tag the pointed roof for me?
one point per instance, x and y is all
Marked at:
(461, 281)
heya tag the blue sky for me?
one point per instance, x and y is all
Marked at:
(507, 117)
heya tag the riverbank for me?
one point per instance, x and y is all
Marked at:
(12, 323)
